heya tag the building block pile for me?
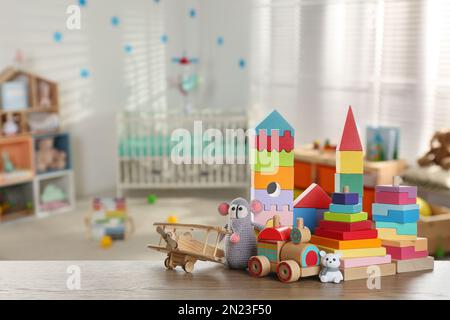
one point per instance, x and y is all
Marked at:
(272, 176)
(345, 230)
(396, 213)
(311, 205)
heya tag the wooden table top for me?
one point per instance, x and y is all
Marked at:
(149, 280)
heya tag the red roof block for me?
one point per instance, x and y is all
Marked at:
(350, 137)
(313, 197)
(275, 234)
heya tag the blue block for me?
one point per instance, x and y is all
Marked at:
(398, 216)
(382, 209)
(346, 208)
(345, 198)
(309, 216)
(402, 228)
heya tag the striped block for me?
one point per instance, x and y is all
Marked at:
(407, 216)
(365, 261)
(391, 234)
(401, 228)
(346, 226)
(421, 244)
(394, 198)
(346, 208)
(383, 209)
(405, 253)
(346, 244)
(345, 198)
(346, 235)
(350, 162)
(345, 217)
(269, 161)
(309, 216)
(353, 181)
(284, 198)
(356, 253)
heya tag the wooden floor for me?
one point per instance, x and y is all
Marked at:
(149, 280)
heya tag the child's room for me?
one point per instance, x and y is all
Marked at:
(206, 142)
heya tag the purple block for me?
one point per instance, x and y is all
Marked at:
(345, 198)
(411, 190)
(319, 213)
(284, 198)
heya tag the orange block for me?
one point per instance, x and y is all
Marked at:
(346, 244)
(284, 176)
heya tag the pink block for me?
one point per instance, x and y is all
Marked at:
(286, 217)
(405, 253)
(365, 261)
(411, 190)
(394, 198)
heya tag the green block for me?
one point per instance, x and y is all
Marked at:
(345, 217)
(265, 161)
(353, 180)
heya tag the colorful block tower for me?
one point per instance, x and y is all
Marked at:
(272, 178)
(345, 229)
(311, 205)
(396, 213)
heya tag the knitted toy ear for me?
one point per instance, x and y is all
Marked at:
(223, 208)
(256, 206)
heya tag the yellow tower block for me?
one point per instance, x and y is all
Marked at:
(349, 162)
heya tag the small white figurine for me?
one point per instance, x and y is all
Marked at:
(10, 127)
(330, 271)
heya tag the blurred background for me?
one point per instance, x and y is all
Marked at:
(91, 90)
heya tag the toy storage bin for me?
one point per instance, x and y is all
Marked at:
(54, 192)
(52, 156)
(16, 201)
(18, 153)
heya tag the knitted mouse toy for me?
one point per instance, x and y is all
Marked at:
(241, 244)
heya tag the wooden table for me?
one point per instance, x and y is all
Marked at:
(149, 280)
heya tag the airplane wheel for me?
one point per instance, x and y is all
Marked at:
(188, 266)
(288, 271)
(258, 266)
(167, 263)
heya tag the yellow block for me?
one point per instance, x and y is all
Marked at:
(356, 253)
(421, 244)
(349, 162)
(391, 234)
(284, 176)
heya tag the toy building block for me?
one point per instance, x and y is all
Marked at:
(275, 121)
(319, 214)
(309, 216)
(346, 235)
(404, 253)
(313, 197)
(350, 162)
(407, 216)
(344, 217)
(269, 161)
(391, 234)
(275, 233)
(394, 198)
(345, 198)
(353, 180)
(284, 198)
(350, 140)
(346, 226)
(401, 228)
(264, 216)
(412, 265)
(365, 261)
(421, 244)
(358, 273)
(345, 208)
(383, 209)
(274, 142)
(356, 253)
(396, 188)
(284, 177)
(346, 244)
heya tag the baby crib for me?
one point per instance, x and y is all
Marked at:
(144, 147)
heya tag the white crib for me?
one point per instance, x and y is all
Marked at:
(144, 153)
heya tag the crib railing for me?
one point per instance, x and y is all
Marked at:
(144, 147)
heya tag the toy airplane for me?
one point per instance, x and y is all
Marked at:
(184, 60)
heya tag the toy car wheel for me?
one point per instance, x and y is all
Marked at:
(167, 263)
(258, 266)
(188, 266)
(288, 271)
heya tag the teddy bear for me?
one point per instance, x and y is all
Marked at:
(241, 244)
(439, 152)
(49, 158)
(330, 271)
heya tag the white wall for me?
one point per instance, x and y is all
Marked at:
(118, 80)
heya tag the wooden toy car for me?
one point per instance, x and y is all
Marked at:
(286, 252)
(183, 250)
